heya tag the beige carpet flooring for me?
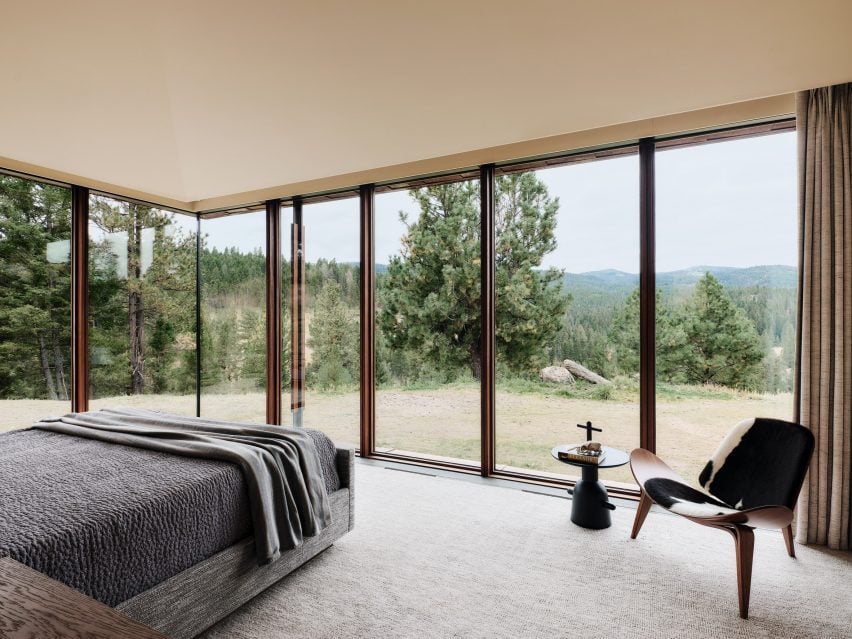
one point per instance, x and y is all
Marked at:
(440, 557)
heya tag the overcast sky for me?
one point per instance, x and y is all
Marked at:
(725, 204)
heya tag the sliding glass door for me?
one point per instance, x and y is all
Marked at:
(428, 322)
(142, 272)
(567, 305)
(331, 299)
(35, 301)
(233, 317)
(726, 286)
(567, 275)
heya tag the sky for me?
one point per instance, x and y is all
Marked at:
(724, 204)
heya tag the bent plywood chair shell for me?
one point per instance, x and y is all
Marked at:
(760, 460)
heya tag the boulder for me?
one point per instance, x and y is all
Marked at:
(558, 374)
(578, 370)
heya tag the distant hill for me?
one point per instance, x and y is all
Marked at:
(769, 276)
(732, 277)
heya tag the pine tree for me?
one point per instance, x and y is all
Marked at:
(162, 347)
(252, 338)
(144, 302)
(624, 334)
(670, 339)
(530, 302)
(722, 345)
(430, 296)
(226, 350)
(333, 340)
(35, 289)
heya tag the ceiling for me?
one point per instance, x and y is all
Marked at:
(196, 99)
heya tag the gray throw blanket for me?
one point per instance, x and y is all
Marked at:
(282, 471)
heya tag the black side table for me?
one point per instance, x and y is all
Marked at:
(590, 507)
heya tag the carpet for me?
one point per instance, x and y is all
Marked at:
(443, 557)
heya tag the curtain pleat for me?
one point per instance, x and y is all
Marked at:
(824, 366)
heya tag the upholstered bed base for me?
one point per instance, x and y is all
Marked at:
(195, 599)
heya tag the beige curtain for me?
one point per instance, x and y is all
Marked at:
(824, 392)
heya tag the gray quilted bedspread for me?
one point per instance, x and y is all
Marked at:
(112, 521)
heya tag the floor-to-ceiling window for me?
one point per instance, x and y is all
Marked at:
(141, 306)
(331, 299)
(233, 317)
(567, 320)
(566, 290)
(428, 321)
(726, 284)
(35, 301)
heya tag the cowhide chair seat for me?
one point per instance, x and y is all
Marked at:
(751, 481)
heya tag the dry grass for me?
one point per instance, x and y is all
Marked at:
(445, 422)
(20, 413)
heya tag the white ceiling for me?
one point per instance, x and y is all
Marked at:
(194, 99)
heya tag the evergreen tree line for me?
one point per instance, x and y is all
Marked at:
(35, 290)
(143, 286)
(702, 338)
(233, 342)
(428, 306)
(602, 332)
(142, 295)
(142, 275)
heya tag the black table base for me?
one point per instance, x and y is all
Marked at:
(590, 507)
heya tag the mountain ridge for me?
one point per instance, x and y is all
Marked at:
(767, 275)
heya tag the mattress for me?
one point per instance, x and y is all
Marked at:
(112, 521)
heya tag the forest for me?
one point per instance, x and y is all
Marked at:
(722, 326)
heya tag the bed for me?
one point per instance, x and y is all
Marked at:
(165, 539)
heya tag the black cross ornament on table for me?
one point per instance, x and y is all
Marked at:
(589, 428)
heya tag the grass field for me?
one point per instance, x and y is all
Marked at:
(444, 421)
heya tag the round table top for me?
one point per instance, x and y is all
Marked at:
(612, 456)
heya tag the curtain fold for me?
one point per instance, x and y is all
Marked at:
(824, 361)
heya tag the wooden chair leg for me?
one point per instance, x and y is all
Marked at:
(744, 538)
(645, 503)
(788, 540)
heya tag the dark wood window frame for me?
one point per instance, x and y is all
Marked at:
(647, 297)
(368, 423)
(274, 302)
(647, 148)
(487, 467)
(488, 317)
(79, 299)
(297, 313)
(367, 444)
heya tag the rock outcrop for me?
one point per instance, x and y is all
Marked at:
(558, 374)
(578, 370)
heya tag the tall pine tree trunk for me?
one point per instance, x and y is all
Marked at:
(43, 349)
(45, 368)
(476, 362)
(59, 367)
(134, 303)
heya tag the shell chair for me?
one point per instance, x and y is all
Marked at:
(752, 481)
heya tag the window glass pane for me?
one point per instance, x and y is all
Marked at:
(726, 280)
(35, 301)
(233, 317)
(332, 335)
(428, 321)
(567, 244)
(141, 307)
(286, 314)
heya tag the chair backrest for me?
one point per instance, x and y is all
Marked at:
(761, 462)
